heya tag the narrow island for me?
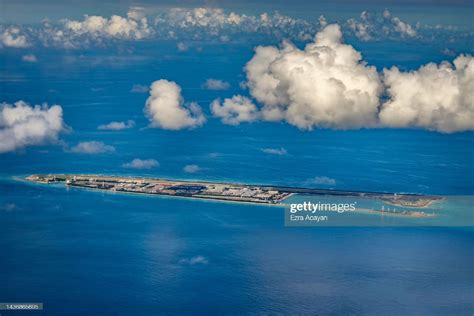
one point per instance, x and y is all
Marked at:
(235, 192)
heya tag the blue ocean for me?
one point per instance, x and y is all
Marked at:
(84, 252)
(93, 253)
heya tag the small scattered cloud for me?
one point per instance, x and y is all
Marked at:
(92, 148)
(235, 110)
(322, 180)
(374, 26)
(198, 23)
(136, 13)
(322, 21)
(182, 47)
(116, 126)
(275, 151)
(192, 168)
(166, 109)
(448, 52)
(138, 88)
(30, 58)
(142, 164)
(196, 260)
(401, 27)
(224, 38)
(22, 125)
(13, 37)
(129, 27)
(215, 84)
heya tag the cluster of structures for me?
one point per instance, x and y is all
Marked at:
(226, 191)
(207, 190)
(409, 200)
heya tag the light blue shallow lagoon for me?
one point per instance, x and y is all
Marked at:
(84, 252)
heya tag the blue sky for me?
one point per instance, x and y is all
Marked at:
(450, 12)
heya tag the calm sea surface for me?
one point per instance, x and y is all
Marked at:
(92, 253)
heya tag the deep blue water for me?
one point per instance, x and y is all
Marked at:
(92, 253)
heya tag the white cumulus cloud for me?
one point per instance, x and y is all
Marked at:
(131, 27)
(216, 84)
(116, 126)
(362, 29)
(401, 27)
(235, 110)
(165, 107)
(435, 97)
(202, 17)
(23, 125)
(190, 25)
(13, 37)
(216, 23)
(141, 164)
(92, 148)
(94, 30)
(327, 84)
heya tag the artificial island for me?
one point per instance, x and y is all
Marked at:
(266, 194)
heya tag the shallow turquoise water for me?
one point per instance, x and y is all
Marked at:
(454, 210)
